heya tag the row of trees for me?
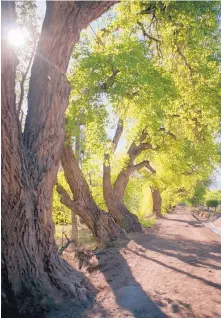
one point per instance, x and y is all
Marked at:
(142, 108)
(205, 197)
(152, 69)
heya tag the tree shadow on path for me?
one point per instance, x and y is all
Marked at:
(188, 251)
(205, 281)
(176, 242)
(128, 293)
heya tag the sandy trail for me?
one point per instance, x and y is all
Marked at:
(171, 271)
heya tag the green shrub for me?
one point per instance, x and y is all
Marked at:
(147, 223)
(212, 204)
(62, 216)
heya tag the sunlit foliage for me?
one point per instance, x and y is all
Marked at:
(155, 65)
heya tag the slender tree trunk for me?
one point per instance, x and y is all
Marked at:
(156, 197)
(32, 272)
(68, 202)
(74, 219)
(74, 230)
(99, 222)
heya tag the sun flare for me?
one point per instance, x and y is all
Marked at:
(16, 37)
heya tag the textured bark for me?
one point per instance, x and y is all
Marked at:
(122, 216)
(123, 178)
(114, 194)
(156, 197)
(31, 269)
(99, 222)
(66, 200)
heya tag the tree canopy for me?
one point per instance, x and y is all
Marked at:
(155, 66)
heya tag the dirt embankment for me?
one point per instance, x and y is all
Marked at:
(209, 219)
(206, 215)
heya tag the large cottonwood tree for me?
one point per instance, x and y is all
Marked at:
(99, 222)
(30, 263)
(149, 63)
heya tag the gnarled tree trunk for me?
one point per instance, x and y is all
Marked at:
(32, 271)
(114, 194)
(99, 222)
(157, 200)
(116, 206)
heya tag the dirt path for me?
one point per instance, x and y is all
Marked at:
(172, 271)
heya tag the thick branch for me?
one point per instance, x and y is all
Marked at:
(144, 164)
(65, 198)
(101, 224)
(135, 150)
(106, 165)
(123, 177)
(79, 188)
